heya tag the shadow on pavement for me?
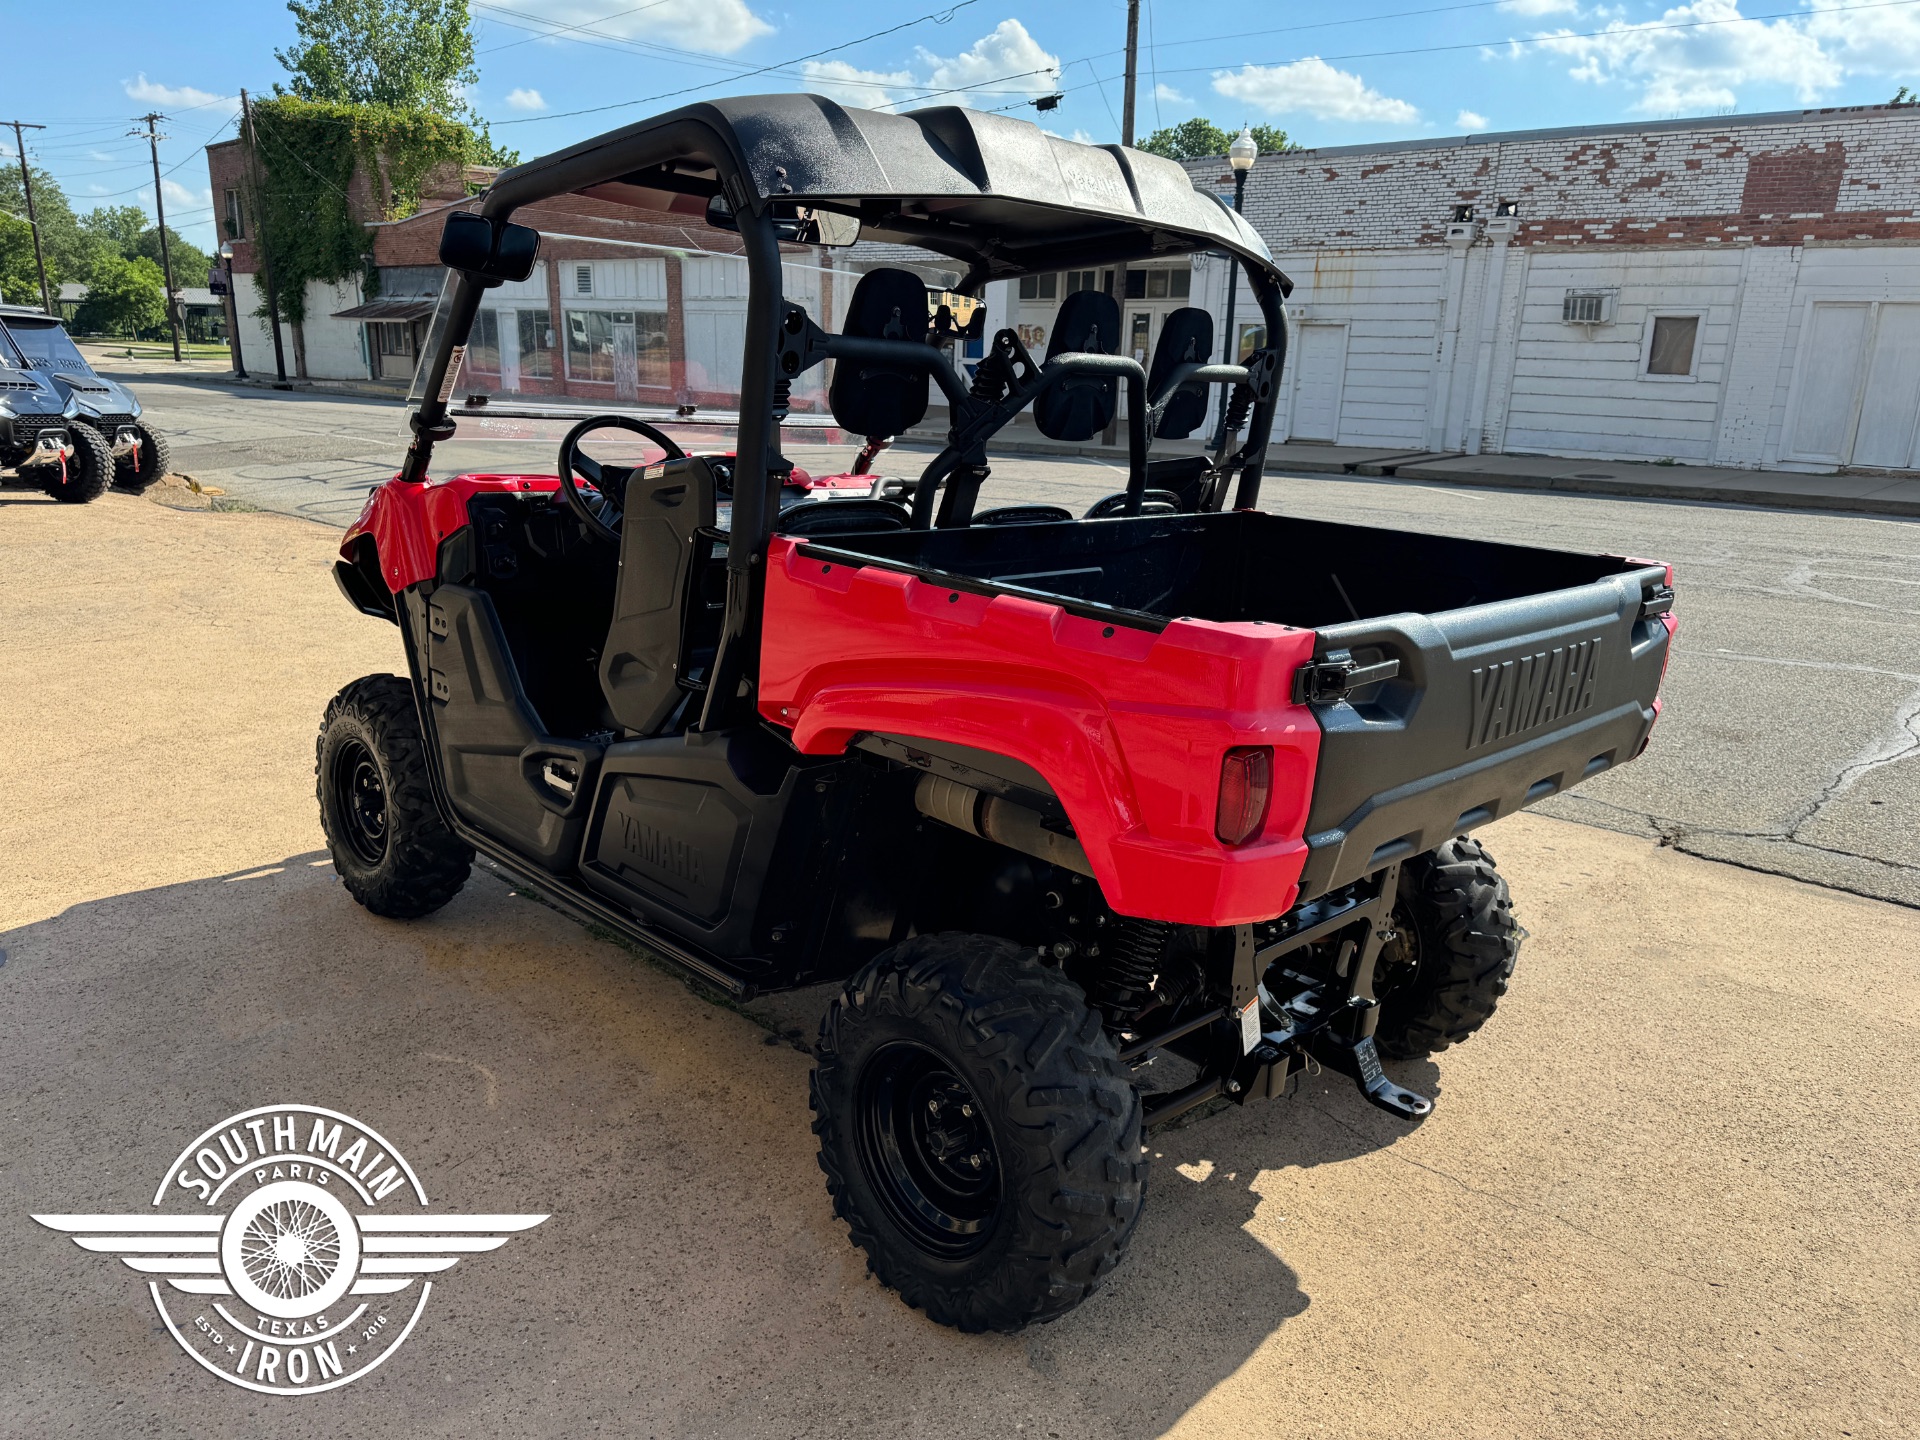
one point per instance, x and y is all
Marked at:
(691, 1281)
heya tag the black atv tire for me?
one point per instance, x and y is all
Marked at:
(156, 460)
(1443, 977)
(391, 848)
(1017, 1065)
(89, 470)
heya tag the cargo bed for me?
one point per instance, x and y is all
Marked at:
(1452, 681)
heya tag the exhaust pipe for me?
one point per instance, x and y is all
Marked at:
(992, 817)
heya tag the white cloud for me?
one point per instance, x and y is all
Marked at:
(851, 85)
(1703, 68)
(1883, 41)
(717, 26)
(1541, 7)
(1470, 120)
(1083, 138)
(1167, 95)
(521, 98)
(1006, 61)
(1312, 87)
(182, 198)
(176, 97)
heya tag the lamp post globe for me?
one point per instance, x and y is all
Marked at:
(1244, 150)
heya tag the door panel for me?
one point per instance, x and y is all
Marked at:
(1321, 367)
(1830, 357)
(1892, 399)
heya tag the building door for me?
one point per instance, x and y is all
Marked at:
(1831, 349)
(1890, 404)
(1320, 369)
(626, 357)
(509, 324)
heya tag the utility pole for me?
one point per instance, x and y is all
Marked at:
(153, 137)
(260, 241)
(26, 184)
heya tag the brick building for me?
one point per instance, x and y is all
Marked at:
(1741, 290)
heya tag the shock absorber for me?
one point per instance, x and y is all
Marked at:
(1132, 955)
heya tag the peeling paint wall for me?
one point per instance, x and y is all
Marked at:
(1742, 222)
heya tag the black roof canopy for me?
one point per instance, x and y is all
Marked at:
(996, 192)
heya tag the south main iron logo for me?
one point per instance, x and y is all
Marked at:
(284, 1274)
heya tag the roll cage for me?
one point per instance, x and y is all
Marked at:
(1000, 195)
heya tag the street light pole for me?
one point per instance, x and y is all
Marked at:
(33, 220)
(1241, 155)
(233, 314)
(153, 139)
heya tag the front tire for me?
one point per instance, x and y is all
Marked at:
(391, 847)
(88, 472)
(154, 457)
(979, 1135)
(1442, 976)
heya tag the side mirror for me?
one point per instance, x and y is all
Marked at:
(794, 223)
(490, 251)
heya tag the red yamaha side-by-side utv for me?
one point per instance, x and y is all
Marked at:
(1055, 796)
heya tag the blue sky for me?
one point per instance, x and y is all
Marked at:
(1330, 74)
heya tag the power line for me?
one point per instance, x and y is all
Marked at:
(939, 17)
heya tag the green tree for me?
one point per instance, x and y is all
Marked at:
(1906, 97)
(120, 226)
(19, 278)
(70, 250)
(1199, 139)
(124, 297)
(403, 54)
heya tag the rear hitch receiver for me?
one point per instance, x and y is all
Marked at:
(1361, 1060)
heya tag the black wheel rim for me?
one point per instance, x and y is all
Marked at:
(1398, 965)
(360, 801)
(927, 1150)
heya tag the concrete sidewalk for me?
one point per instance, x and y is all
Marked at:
(1881, 493)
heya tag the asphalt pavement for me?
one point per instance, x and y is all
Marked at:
(1669, 1191)
(1790, 742)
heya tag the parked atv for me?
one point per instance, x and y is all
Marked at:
(1094, 819)
(42, 440)
(139, 453)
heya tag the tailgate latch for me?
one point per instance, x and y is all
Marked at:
(1657, 600)
(1324, 682)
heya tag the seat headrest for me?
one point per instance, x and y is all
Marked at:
(1081, 406)
(871, 399)
(1185, 335)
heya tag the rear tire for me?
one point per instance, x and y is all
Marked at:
(979, 1135)
(391, 847)
(156, 460)
(89, 469)
(1442, 977)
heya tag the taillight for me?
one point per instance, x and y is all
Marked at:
(1246, 785)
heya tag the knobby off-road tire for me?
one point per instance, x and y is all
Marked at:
(970, 1039)
(391, 848)
(89, 468)
(156, 459)
(1458, 943)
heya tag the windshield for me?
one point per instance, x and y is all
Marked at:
(640, 309)
(47, 347)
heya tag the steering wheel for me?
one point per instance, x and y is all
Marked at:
(602, 515)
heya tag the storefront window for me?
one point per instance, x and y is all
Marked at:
(600, 343)
(536, 344)
(483, 343)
